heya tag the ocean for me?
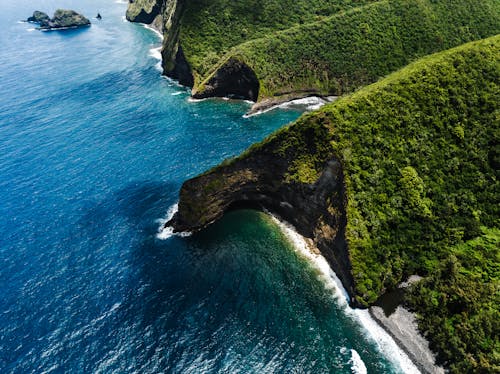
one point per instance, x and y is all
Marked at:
(94, 146)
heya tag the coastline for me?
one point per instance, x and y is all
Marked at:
(309, 99)
(400, 327)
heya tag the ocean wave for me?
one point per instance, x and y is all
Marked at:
(165, 233)
(309, 103)
(357, 364)
(159, 34)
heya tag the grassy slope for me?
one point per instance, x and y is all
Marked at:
(345, 51)
(418, 150)
(211, 27)
(421, 157)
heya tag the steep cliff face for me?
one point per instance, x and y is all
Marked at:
(295, 176)
(369, 177)
(143, 11)
(281, 48)
(165, 15)
(233, 79)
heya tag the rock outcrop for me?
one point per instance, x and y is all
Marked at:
(165, 16)
(239, 49)
(233, 79)
(62, 19)
(39, 17)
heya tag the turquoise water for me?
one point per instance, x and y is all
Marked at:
(94, 146)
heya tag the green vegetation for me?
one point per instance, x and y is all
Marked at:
(211, 27)
(420, 154)
(458, 305)
(319, 49)
(414, 186)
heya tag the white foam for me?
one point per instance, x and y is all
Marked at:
(308, 103)
(165, 233)
(193, 100)
(357, 364)
(121, 1)
(155, 53)
(30, 30)
(159, 34)
(386, 345)
(176, 93)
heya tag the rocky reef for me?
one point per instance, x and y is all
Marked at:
(62, 19)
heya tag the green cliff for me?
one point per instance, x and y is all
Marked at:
(387, 182)
(277, 49)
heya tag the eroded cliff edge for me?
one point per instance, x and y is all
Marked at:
(294, 175)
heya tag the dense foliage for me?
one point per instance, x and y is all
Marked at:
(420, 152)
(458, 305)
(421, 159)
(339, 53)
(419, 155)
(211, 27)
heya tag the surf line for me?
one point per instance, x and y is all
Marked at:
(385, 343)
(165, 233)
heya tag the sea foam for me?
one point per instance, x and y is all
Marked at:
(357, 364)
(165, 233)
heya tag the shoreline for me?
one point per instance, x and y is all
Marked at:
(311, 100)
(400, 327)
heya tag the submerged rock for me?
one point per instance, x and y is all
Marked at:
(62, 19)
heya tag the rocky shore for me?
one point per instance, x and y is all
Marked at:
(401, 325)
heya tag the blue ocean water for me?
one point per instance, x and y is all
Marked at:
(94, 146)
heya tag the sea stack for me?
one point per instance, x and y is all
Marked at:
(62, 19)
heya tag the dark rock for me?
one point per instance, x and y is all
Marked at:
(181, 70)
(68, 18)
(261, 179)
(39, 17)
(62, 19)
(143, 11)
(233, 79)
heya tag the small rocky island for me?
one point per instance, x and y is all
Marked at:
(62, 19)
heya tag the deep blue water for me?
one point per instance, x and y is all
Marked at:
(94, 146)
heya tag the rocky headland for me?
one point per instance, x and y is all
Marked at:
(364, 178)
(62, 19)
(399, 178)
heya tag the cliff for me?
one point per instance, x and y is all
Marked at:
(372, 163)
(387, 182)
(282, 49)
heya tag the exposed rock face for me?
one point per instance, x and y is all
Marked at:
(143, 11)
(266, 178)
(62, 19)
(233, 79)
(165, 16)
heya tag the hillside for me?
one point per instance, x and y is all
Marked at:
(274, 49)
(388, 182)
